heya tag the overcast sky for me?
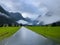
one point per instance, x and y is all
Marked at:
(33, 8)
(26, 7)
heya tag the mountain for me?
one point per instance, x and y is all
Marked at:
(11, 17)
(56, 23)
(5, 18)
(17, 16)
(2, 10)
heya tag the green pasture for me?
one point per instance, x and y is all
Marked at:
(48, 32)
(6, 32)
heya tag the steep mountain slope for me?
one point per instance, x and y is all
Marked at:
(3, 11)
(5, 18)
(17, 16)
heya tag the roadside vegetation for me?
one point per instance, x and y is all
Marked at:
(6, 32)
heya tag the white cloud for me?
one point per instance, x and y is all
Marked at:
(32, 16)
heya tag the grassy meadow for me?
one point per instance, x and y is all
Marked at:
(49, 32)
(6, 32)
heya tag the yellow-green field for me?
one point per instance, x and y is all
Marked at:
(6, 32)
(49, 32)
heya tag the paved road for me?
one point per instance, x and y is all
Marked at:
(27, 37)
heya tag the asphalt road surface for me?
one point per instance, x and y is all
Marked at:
(27, 37)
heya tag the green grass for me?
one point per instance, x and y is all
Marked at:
(6, 32)
(49, 32)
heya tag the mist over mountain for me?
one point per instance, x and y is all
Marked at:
(10, 17)
(5, 18)
(17, 18)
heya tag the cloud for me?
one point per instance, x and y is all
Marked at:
(20, 5)
(24, 6)
(7, 5)
(32, 16)
(31, 8)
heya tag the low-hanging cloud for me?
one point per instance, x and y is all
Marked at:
(33, 7)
